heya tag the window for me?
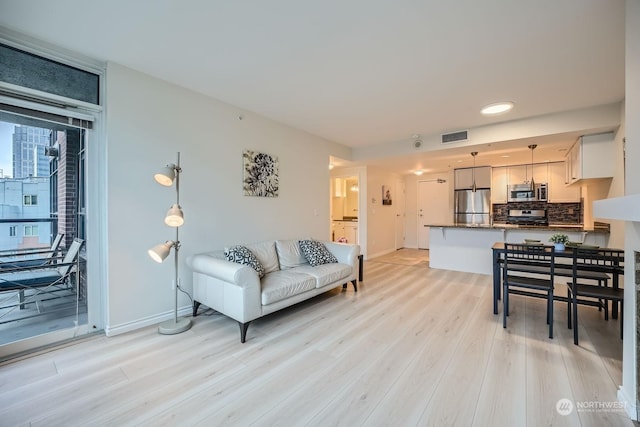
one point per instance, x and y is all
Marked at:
(30, 200)
(12, 231)
(30, 230)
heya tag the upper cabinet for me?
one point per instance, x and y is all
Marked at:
(517, 174)
(521, 174)
(559, 192)
(499, 180)
(551, 173)
(591, 157)
(540, 172)
(464, 178)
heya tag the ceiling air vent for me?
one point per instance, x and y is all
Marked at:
(448, 138)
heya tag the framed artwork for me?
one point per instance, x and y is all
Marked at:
(386, 196)
(260, 174)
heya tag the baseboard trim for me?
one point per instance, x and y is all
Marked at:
(377, 254)
(630, 405)
(113, 330)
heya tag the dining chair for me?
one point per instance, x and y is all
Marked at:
(596, 295)
(538, 285)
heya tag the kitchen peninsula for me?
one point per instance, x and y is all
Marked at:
(466, 247)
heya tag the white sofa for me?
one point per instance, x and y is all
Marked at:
(237, 291)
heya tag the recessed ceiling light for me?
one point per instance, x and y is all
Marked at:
(497, 108)
(418, 172)
(505, 156)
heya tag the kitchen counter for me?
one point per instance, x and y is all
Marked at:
(467, 247)
(556, 228)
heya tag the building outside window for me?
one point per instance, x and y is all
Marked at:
(30, 200)
(30, 230)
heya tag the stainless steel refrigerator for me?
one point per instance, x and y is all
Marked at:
(472, 207)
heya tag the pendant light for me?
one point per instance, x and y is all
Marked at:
(473, 171)
(533, 184)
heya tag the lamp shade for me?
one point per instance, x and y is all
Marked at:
(166, 175)
(159, 252)
(175, 217)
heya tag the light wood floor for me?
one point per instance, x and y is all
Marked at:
(412, 347)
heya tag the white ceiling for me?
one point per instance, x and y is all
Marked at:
(358, 72)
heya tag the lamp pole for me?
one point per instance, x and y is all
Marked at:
(176, 248)
(175, 325)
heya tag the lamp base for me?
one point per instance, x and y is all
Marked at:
(172, 327)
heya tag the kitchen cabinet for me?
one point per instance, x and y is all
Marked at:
(521, 174)
(499, 185)
(340, 187)
(464, 177)
(540, 172)
(517, 174)
(351, 232)
(559, 191)
(591, 157)
(346, 229)
(337, 230)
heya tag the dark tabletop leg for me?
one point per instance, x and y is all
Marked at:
(616, 285)
(496, 280)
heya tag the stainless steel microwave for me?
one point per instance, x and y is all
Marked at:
(524, 193)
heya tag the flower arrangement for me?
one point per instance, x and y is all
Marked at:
(559, 238)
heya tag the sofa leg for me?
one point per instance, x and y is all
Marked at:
(355, 285)
(196, 305)
(243, 331)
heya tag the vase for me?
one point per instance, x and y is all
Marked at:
(559, 246)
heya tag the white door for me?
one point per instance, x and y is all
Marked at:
(433, 208)
(400, 214)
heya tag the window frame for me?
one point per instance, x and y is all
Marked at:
(31, 198)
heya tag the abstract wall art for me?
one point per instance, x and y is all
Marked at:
(260, 174)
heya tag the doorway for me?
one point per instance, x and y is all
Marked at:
(400, 214)
(345, 209)
(433, 207)
(42, 223)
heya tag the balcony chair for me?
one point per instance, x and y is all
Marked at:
(539, 284)
(42, 279)
(33, 257)
(602, 260)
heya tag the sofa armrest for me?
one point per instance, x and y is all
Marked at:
(344, 253)
(230, 288)
(227, 271)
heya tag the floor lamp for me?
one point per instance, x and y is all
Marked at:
(174, 218)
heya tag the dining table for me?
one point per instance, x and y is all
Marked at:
(613, 267)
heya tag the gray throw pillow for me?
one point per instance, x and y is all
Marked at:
(242, 255)
(316, 253)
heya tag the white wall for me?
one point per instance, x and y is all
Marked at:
(148, 121)
(629, 391)
(381, 233)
